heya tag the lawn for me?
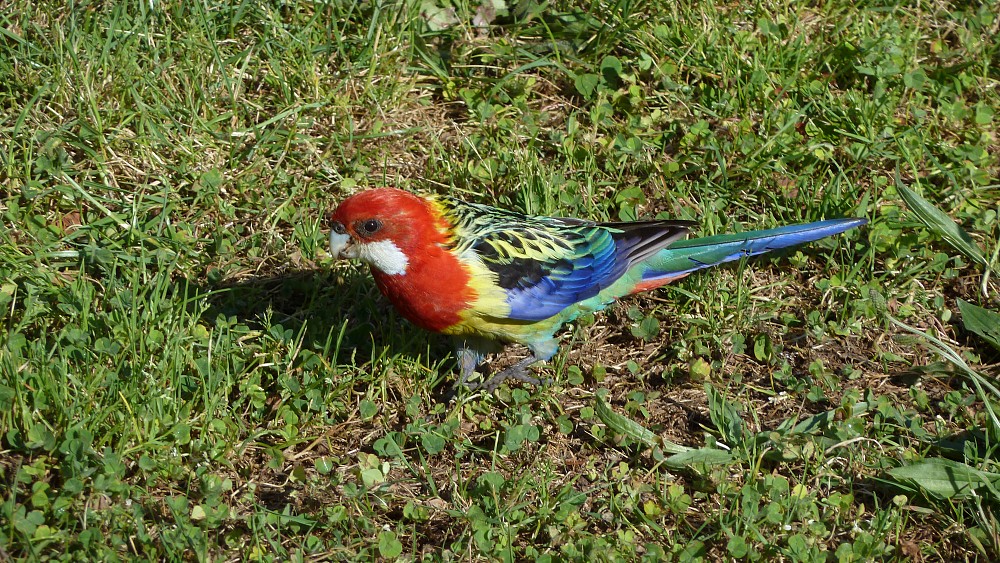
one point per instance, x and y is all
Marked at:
(186, 374)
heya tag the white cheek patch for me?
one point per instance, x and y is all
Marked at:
(384, 256)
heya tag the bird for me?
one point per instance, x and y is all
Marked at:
(489, 277)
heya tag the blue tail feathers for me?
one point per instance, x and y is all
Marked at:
(686, 256)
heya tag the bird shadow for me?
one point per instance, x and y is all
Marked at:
(337, 311)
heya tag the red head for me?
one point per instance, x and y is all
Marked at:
(384, 227)
(403, 238)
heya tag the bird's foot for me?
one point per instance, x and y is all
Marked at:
(517, 371)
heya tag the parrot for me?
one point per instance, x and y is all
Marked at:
(489, 277)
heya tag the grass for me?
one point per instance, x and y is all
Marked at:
(185, 374)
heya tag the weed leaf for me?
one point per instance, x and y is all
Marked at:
(725, 416)
(939, 222)
(625, 426)
(586, 84)
(943, 478)
(981, 321)
(816, 423)
(701, 456)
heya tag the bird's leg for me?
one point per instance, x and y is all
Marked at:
(468, 359)
(469, 352)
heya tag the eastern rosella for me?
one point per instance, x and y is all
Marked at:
(488, 276)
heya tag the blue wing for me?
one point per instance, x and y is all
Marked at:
(545, 264)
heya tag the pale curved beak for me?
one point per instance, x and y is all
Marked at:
(340, 245)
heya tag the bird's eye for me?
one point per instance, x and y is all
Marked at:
(338, 228)
(370, 227)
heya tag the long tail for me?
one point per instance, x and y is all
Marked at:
(686, 256)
